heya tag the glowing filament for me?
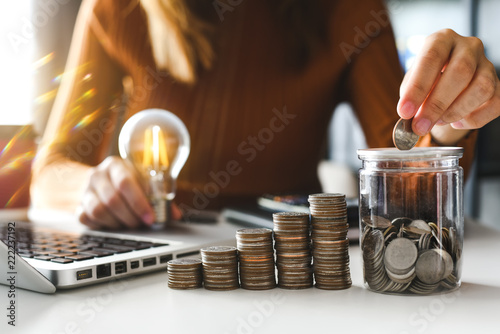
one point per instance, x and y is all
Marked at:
(155, 149)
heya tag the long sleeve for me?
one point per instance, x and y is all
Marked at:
(82, 120)
(373, 77)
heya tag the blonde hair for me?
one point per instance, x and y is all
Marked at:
(182, 32)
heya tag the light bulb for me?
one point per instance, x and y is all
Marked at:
(157, 144)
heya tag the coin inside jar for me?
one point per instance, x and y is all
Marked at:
(400, 256)
(430, 267)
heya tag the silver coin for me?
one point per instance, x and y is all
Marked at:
(400, 222)
(448, 263)
(376, 222)
(400, 256)
(430, 267)
(373, 243)
(402, 279)
(420, 224)
(403, 136)
(421, 288)
(413, 232)
(219, 249)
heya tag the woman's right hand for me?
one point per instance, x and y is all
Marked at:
(114, 199)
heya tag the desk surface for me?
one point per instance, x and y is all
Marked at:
(145, 304)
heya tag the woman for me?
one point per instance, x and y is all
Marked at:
(255, 82)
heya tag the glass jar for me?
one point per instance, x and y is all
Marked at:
(411, 219)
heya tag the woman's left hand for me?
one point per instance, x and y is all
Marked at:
(451, 82)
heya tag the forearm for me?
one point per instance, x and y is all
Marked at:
(59, 185)
(452, 137)
(447, 136)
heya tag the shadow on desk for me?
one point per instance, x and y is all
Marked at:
(482, 292)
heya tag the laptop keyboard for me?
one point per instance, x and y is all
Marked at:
(65, 247)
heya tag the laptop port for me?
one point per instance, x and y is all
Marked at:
(103, 270)
(83, 274)
(120, 267)
(165, 258)
(134, 264)
(149, 262)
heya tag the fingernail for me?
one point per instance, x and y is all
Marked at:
(407, 110)
(440, 123)
(423, 126)
(457, 125)
(148, 218)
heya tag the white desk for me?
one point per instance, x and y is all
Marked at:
(145, 304)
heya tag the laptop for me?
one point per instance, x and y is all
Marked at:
(45, 257)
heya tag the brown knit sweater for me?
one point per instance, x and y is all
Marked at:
(257, 125)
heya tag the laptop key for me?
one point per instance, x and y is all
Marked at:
(70, 245)
(131, 243)
(61, 260)
(96, 253)
(114, 241)
(79, 257)
(93, 238)
(77, 250)
(118, 248)
(99, 249)
(44, 257)
(44, 252)
(62, 255)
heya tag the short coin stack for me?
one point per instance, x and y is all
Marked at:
(293, 252)
(256, 253)
(220, 267)
(185, 274)
(330, 246)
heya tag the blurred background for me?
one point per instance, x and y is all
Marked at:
(36, 35)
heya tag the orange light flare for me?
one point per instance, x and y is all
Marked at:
(15, 169)
(22, 135)
(79, 70)
(42, 61)
(46, 97)
(85, 120)
(18, 195)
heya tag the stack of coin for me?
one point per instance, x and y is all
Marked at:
(399, 260)
(409, 256)
(330, 246)
(372, 245)
(293, 253)
(256, 253)
(184, 274)
(220, 267)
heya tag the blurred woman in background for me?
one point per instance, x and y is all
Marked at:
(255, 82)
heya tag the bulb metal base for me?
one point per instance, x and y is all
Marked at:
(162, 210)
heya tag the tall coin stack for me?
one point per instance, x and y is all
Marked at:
(293, 250)
(256, 253)
(184, 274)
(220, 267)
(330, 246)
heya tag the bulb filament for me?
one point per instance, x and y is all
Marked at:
(155, 150)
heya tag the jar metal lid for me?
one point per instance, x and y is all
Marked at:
(414, 153)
